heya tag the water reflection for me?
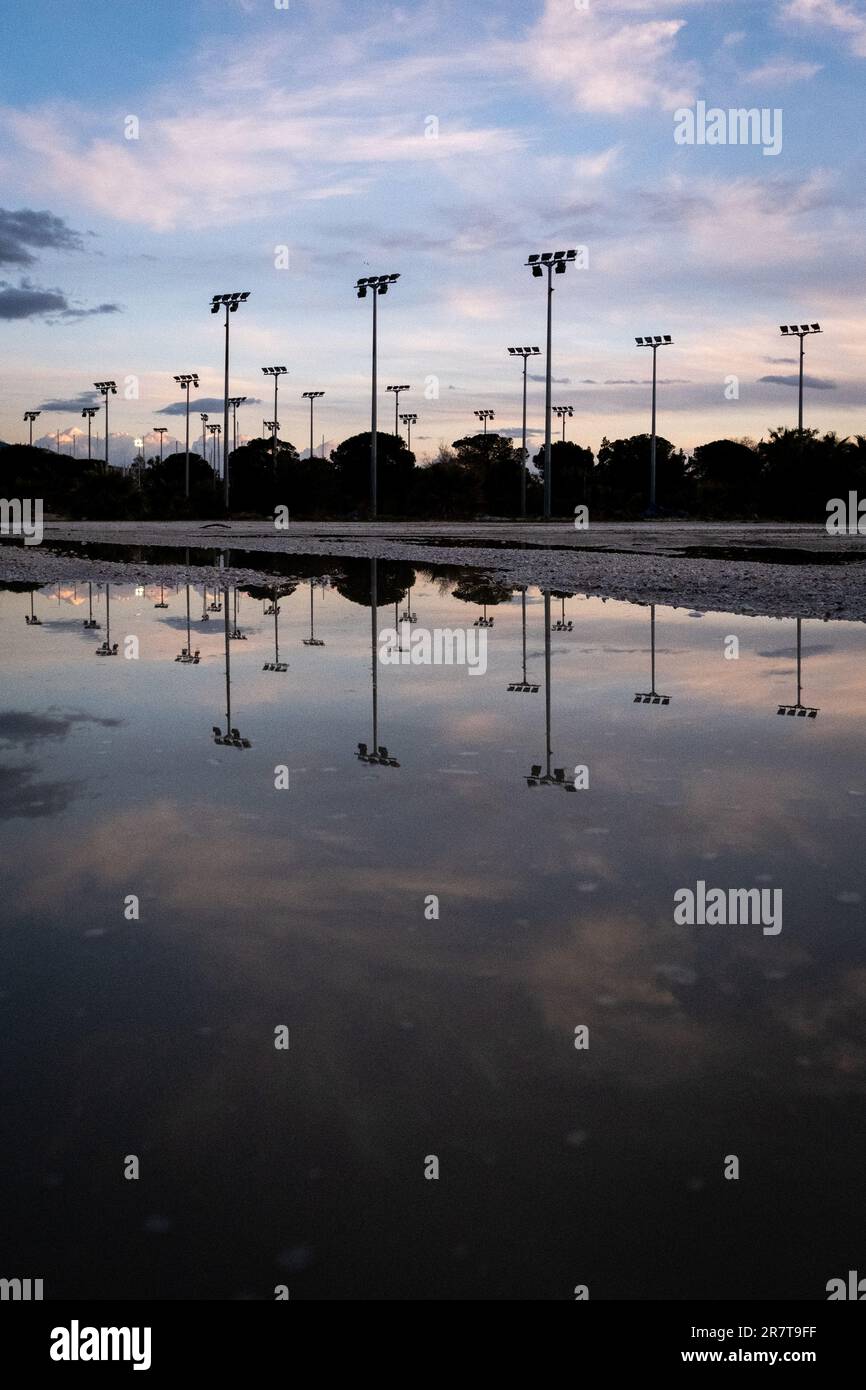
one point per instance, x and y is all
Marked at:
(410, 1035)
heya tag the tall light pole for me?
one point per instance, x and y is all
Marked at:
(87, 414)
(311, 396)
(550, 261)
(106, 389)
(214, 431)
(204, 420)
(654, 341)
(484, 415)
(564, 412)
(397, 390)
(801, 331)
(186, 380)
(161, 430)
(230, 302)
(276, 373)
(31, 415)
(525, 353)
(234, 402)
(409, 421)
(376, 284)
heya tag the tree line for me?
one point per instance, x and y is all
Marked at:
(783, 477)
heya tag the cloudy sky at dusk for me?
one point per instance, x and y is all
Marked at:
(443, 141)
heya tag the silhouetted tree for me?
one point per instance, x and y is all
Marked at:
(623, 476)
(727, 477)
(571, 469)
(395, 467)
(493, 461)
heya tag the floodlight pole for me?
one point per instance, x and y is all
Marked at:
(226, 428)
(655, 348)
(373, 460)
(547, 395)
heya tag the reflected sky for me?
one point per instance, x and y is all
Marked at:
(410, 1036)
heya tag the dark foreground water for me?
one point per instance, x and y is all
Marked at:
(412, 1036)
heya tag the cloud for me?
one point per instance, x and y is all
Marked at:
(22, 727)
(836, 15)
(557, 380)
(607, 62)
(22, 796)
(779, 72)
(26, 301)
(63, 405)
(25, 228)
(818, 383)
(203, 403)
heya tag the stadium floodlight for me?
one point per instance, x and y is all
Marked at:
(311, 396)
(185, 380)
(161, 430)
(546, 260)
(800, 331)
(87, 414)
(230, 302)
(106, 389)
(523, 354)
(234, 402)
(484, 415)
(276, 373)
(397, 390)
(564, 412)
(654, 341)
(409, 420)
(378, 284)
(31, 415)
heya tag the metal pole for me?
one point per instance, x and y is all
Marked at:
(802, 354)
(653, 648)
(373, 499)
(547, 676)
(311, 427)
(186, 469)
(106, 431)
(396, 416)
(374, 636)
(653, 440)
(276, 419)
(226, 420)
(799, 659)
(523, 461)
(547, 396)
(228, 672)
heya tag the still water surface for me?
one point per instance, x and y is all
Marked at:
(412, 1036)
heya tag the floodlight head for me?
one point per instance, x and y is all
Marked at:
(668, 338)
(816, 328)
(532, 259)
(560, 267)
(559, 255)
(536, 270)
(793, 327)
(571, 255)
(215, 307)
(546, 256)
(362, 292)
(804, 328)
(783, 327)
(639, 342)
(657, 338)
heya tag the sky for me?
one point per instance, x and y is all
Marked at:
(154, 155)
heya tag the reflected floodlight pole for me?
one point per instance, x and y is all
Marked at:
(161, 430)
(799, 709)
(801, 331)
(234, 402)
(563, 412)
(654, 341)
(549, 261)
(231, 736)
(230, 302)
(379, 757)
(276, 664)
(409, 421)
(397, 390)
(556, 776)
(312, 640)
(107, 649)
(106, 389)
(376, 284)
(31, 415)
(484, 415)
(652, 696)
(524, 686)
(276, 373)
(524, 353)
(185, 381)
(311, 396)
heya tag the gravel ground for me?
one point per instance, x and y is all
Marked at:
(777, 570)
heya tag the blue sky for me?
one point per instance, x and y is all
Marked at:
(312, 128)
